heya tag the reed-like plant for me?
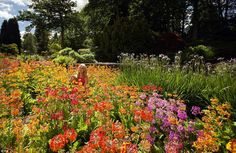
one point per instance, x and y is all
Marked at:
(194, 80)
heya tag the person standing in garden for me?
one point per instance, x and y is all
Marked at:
(82, 76)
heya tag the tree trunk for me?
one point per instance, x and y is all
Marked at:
(183, 20)
(195, 19)
(220, 12)
(62, 36)
(226, 11)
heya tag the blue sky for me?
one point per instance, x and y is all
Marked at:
(10, 8)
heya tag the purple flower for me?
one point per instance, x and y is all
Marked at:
(156, 94)
(182, 115)
(166, 123)
(152, 129)
(191, 126)
(200, 133)
(137, 103)
(150, 139)
(196, 110)
(180, 128)
(151, 106)
(174, 136)
(160, 102)
(172, 108)
(159, 113)
(143, 96)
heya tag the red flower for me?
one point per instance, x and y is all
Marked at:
(149, 88)
(58, 115)
(102, 106)
(70, 134)
(74, 102)
(57, 142)
(160, 89)
(145, 115)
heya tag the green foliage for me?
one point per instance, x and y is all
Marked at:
(10, 33)
(82, 57)
(65, 60)
(85, 51)
(201, 50)
(52, 11)
(76, 56)
(29, 43)
(75, 33)
(9, 48)
(54, 47)
(195, 82)
(42, 36)
(88, 58)
(124, 36)
(25, 57)
(65, 51)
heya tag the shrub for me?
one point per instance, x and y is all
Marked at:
(9, 48)
(201, 50)
(54, 47)
(88, 58)
(85, 51)
(65, 51)
(84, 56)
(24, 57)
(64, 60)
(77, 56)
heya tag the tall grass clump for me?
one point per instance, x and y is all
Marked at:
(194, 80)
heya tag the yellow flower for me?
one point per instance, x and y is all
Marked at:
(229, 146)
(169, 95)
(214, 101)
(134, 128)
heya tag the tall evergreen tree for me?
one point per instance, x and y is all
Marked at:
(13, 33)
(3, 34)
(42, 37)
(29, 43)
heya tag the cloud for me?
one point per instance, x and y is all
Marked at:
(19, 2)
(80, 4)
(5, 11)
(22, 33)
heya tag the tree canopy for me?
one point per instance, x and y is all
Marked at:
(110, 27)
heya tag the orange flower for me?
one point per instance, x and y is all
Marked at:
(122, 111)
(134, 128)
(57, 142)
(70, 134)
(15, 112)
(123, 148)
(214, 101)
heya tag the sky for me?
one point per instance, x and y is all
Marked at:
(10, 8)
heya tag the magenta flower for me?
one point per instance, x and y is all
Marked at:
(143, 96)
(182, 115)
(196, 110)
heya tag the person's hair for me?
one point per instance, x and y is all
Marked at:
(84, 68)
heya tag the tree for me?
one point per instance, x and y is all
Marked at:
(75, 33)
(29, 43)
(3, 34)
(10, 33)
(124, 36)
(13, 33)
(42, 36)
(56, 14)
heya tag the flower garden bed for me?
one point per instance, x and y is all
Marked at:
(40, 109)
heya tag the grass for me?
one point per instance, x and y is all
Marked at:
(196, 88)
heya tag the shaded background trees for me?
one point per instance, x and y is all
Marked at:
(110, 27)
(10, 33)
(196, 21)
